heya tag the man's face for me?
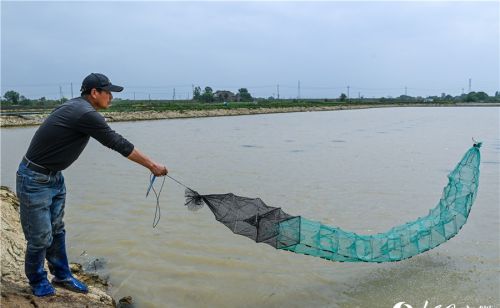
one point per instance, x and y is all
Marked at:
(102, 99)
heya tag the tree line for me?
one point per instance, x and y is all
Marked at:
(207, 95)
(12, 97)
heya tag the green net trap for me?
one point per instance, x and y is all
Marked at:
(254, 219)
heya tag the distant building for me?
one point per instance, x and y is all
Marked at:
(225, 96)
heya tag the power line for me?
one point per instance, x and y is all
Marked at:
(278, 89)
(298, 90)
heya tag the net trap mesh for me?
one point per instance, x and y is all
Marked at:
(252, 218)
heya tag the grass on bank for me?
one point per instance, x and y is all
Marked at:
(132, 106)
(120, 105)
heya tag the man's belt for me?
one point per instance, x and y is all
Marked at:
(35, 167)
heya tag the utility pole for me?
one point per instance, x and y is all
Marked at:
(173, 96)
(298, 90)
(72, 90)
(348, 92)
(278, 90)
(359, 95)
(134, 95)
(60, 92)
(149, 96)
(470, 84)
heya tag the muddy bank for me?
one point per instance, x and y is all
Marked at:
(37, 119)
(15, 289)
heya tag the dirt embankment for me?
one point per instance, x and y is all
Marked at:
(37, 119)
(15, 289)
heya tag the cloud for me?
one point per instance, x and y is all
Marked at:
(379, 45)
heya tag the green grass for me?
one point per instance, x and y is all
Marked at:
(131, 106)
(181, 106)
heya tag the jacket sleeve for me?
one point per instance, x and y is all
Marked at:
(93, 124)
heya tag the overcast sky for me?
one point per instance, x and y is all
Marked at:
(376, 48)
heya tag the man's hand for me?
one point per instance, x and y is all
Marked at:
(158, 170)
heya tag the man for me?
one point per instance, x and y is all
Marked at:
(40, 184)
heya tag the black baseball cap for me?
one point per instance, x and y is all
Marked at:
(99, 81)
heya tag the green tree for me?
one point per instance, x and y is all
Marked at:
(245, 95)
(24, 101)
(208, 95)
(405, 97)
(343, 97)
(197, 93)
(476, 97)
(482, 96)
(471, 97)
(12, 96)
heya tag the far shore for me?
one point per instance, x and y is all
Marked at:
(13, 120)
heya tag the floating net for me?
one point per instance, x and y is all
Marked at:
(254, 219)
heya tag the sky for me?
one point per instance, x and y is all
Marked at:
(371, 49)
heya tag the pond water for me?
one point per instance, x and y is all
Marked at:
(361, 170)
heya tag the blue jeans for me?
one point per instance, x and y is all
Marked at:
(42, 199)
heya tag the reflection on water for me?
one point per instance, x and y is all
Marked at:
(335, 167)
(250, 146)
(403, 282)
